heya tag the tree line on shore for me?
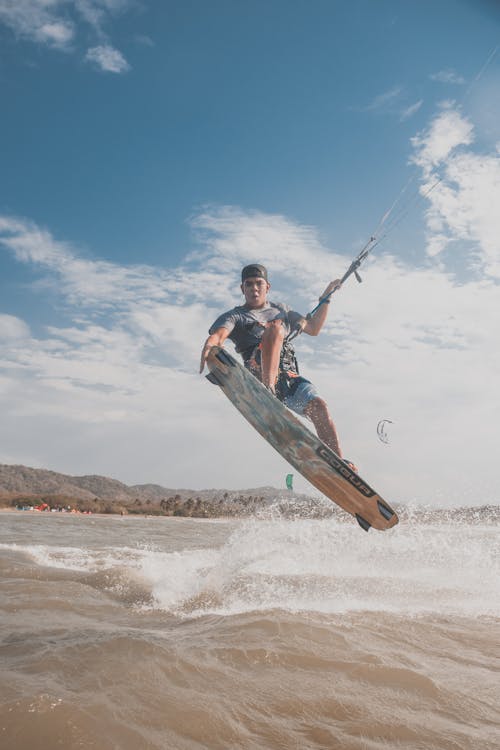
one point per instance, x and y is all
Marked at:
(175, 505)
(217, 506)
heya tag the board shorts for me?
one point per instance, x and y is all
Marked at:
(297, 393)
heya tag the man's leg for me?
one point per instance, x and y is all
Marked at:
(272, 341)
(317, 411)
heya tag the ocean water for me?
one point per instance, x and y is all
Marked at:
(183, 634)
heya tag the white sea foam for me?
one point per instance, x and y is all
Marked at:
(308, 565)
(331, 567)
(77, 558)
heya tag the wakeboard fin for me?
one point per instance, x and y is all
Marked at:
(212, 378)
(363, 523)
(386, 512)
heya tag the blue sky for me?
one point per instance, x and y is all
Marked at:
(151, 148)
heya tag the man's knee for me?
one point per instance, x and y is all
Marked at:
(274, 331)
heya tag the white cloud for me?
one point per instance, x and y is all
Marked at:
(117, 390)
(382, 101)
(29, 243)
(144, 39)
(447, 131)
(448, 76)
(39, 20)
(56, 24)
(393, 102)
(55, 34)
(12, 328)
(107, 59)
(93, 12)
(86, 282)
(411, 110)
(463, 190)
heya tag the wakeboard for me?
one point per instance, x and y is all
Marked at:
(318, 463)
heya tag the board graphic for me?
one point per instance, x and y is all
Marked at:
(303, 450)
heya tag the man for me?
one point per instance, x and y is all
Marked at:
(259, 329)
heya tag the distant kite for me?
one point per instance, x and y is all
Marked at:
(382, 434)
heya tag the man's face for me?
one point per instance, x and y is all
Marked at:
(255, 290)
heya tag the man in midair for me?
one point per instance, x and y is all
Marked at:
(259, 329)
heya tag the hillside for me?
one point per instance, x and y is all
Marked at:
(25, 485)
(23, 480)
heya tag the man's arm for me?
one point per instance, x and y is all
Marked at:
(314, 325)
(216, 339)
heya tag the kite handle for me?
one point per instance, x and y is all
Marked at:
(353, 269)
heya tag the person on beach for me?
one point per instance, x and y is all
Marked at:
(259, 330)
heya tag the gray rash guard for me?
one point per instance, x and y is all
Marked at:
(246, 325)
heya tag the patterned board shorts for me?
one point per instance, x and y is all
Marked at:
(297, 397)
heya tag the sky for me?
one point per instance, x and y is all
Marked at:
(151, 149)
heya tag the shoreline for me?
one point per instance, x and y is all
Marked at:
(101, 515)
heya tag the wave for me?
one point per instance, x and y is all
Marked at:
(296, 566)
(263, 633)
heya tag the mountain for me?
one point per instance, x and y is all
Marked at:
(24, 480)
(101, 494)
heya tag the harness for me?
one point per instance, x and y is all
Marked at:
(288, 372)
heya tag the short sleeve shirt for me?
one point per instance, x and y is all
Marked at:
(246, 325)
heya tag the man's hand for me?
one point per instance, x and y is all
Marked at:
(332, 287)
(216, 339)
(204, 355)
(315, 323)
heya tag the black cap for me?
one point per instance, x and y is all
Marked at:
(255, 269)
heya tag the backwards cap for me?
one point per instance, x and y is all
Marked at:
(255, 269)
